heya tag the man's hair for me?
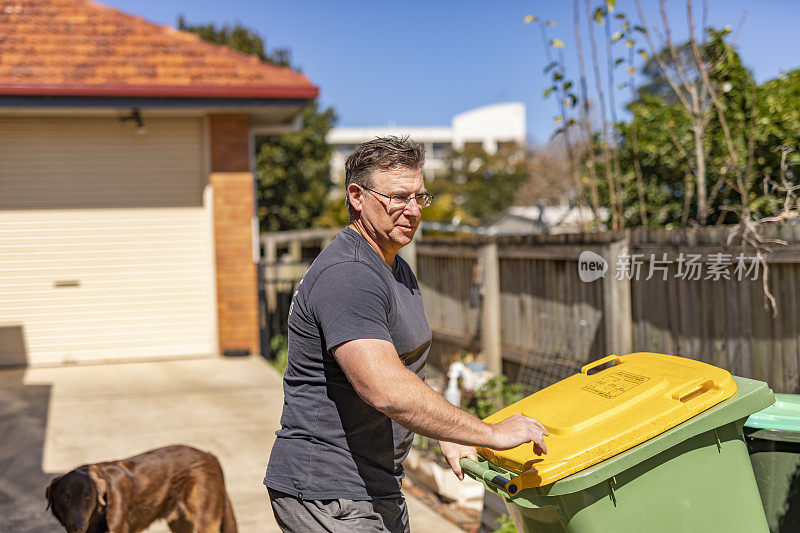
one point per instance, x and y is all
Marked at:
(381, 153)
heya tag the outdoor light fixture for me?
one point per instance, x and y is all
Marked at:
(136, 117)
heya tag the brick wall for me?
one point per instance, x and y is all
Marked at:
(232, 181)
(230, 149)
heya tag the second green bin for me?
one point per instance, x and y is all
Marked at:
(773, 438)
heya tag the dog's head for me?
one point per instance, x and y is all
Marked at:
(76, 498)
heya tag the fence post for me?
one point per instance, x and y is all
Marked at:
(270, 269)
(617, 315)
(491, 343)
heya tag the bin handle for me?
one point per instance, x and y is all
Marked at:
(585, 368)
(485, 474)
(692, 390)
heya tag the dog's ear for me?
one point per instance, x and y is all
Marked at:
(100, 483)
(47, 493)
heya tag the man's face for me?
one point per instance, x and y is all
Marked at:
(389, 226)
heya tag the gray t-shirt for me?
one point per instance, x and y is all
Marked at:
(331, 443)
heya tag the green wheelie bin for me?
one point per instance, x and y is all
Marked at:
(692, 477)
(773, 439)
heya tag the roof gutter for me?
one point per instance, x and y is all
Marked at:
(302, 92)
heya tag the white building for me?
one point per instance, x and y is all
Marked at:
(553, 219)
(489, 126)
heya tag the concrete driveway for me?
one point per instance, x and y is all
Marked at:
(53, 419)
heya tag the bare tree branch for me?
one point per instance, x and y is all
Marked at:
(585, 122)
(657, 56)
(568, 145)
(676, 60)
(637, 164)
(612, 104)
(616, 215)
(693, 102)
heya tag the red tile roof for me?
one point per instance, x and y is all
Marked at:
(81, 48)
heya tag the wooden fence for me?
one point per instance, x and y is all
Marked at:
(521, 302)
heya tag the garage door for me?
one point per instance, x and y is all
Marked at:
(105, 241)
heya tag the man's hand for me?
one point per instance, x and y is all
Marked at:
(518, 429)
(454, 452)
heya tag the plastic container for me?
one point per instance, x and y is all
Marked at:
(684, 470)
(773, 439)
(592, 416)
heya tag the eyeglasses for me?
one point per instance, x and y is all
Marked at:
(399, 201)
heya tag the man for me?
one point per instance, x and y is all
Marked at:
(358, 340)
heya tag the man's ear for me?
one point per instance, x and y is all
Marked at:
(47, 494)
(355, 196)
(100, 484)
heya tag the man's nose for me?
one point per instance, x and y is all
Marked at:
(412, 208)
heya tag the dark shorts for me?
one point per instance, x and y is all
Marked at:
(339, 516)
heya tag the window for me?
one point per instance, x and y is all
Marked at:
(473, 146)
(440, 150)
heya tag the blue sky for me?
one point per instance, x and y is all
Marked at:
(419, 63)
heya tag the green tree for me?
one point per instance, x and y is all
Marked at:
(292, 169)
(778, 117)
(666, 148)
(239, 38)
(480, 185)
(777, 125)
(665, 167)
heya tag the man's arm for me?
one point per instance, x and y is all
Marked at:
(379, 377)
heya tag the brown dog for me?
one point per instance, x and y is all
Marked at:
(178, 483)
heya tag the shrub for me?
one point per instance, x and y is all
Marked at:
(494, 395)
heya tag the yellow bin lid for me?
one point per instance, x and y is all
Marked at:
(591, 417)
